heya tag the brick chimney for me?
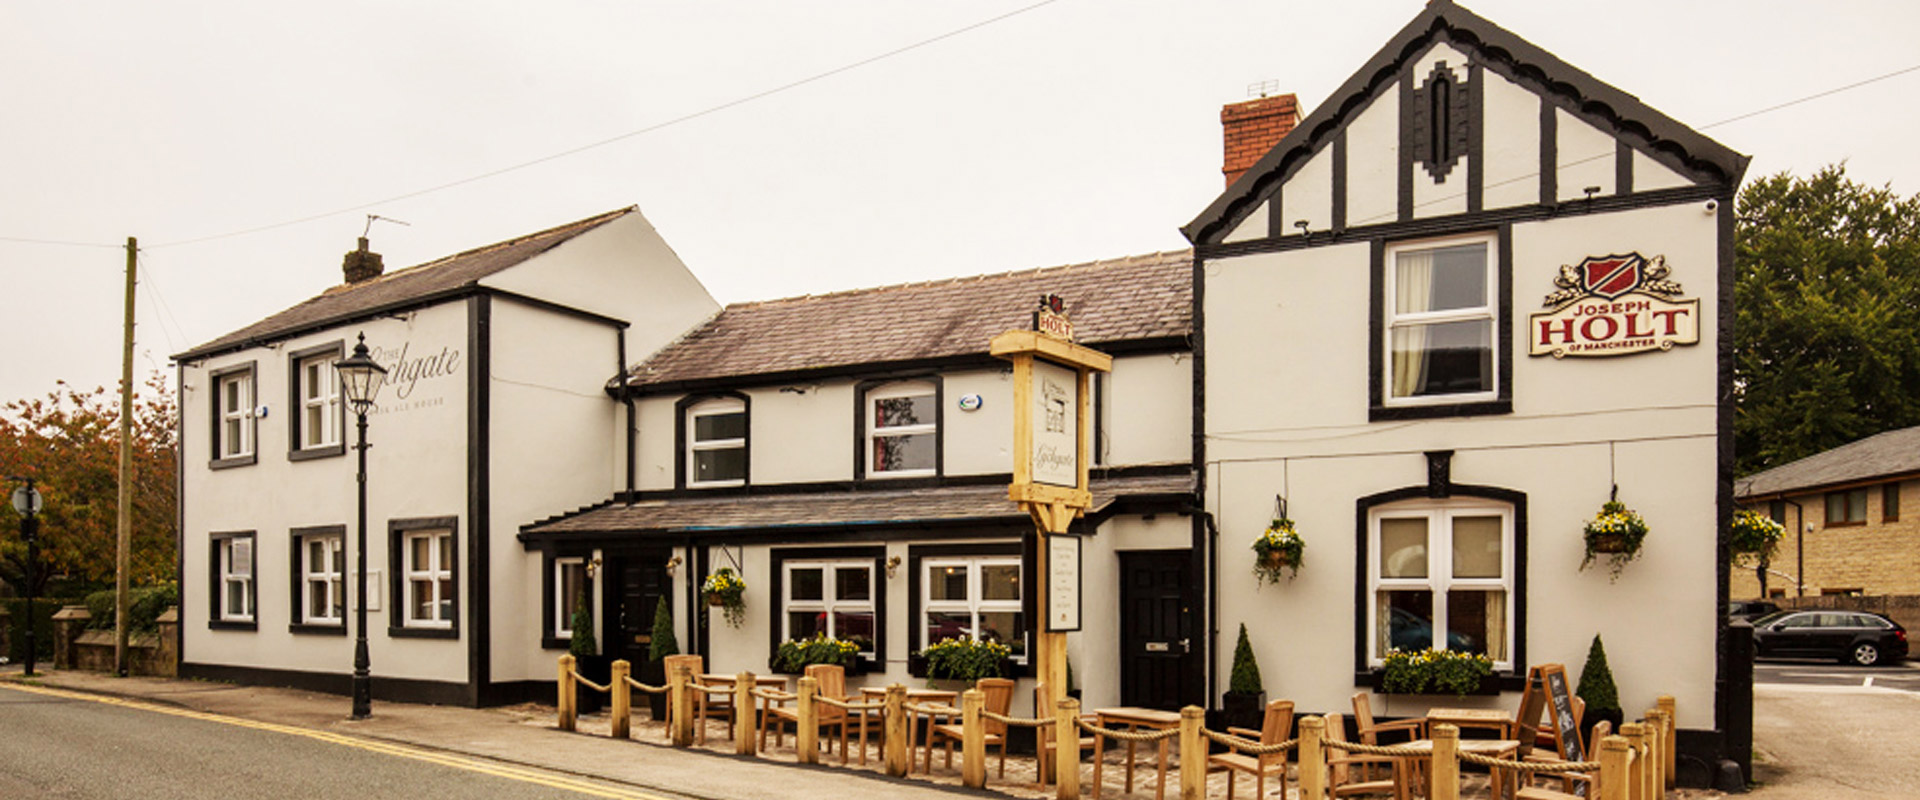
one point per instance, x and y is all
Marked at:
(362, 264)
(1254, 127)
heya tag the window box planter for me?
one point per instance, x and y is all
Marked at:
(1490, 685)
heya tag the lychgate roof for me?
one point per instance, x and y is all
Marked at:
(1567, 86)
(1138, 299)
(413, 284)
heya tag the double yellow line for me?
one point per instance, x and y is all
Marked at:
(457, 762)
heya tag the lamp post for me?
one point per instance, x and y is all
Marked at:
(28, 502)
(360, 380)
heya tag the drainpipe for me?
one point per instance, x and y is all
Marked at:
(626, 399)
(1799, 547)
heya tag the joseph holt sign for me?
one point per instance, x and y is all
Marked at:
(1613, 305)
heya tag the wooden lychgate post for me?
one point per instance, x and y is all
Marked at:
(1052, 448)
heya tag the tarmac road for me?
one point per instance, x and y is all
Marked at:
(1823, 731)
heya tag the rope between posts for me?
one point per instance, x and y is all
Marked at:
(1128, 736)
(645, 688)
(1250, 746)
(848, 705)
(1542, 767)
(931, 710)
(1016, 721)
(774, 695)
(710, 689)
(1400, 751)
(590, 684)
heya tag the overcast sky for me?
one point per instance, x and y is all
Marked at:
(1065, 132)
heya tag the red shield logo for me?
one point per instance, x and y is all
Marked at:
(1612, 276)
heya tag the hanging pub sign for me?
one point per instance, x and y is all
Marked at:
(1613, 305)
(1051, 318)
(1055, 424)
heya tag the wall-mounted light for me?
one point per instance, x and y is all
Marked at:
(593, 566)
(673, 564)
(893, 564)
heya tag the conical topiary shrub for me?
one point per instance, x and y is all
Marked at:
(1597, 689)
(663, 642)
(1245, 702)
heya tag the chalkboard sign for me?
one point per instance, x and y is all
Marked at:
(1547, 691)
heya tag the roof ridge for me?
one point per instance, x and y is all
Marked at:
(584, 224)
(1153, 257)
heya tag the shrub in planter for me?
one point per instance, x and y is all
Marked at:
(967, 660)
(1596, 688)
(1616, 532)
(1245, 702)
(587, 660)
(1435, 672)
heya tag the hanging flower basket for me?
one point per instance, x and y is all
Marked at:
(1753, 534)
(1617, 532)
(725, 589)
(1278, 549)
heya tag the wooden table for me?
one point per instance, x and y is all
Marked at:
(716, 679)
(1423, 751)
(921, 697)
(1492, 719)
(1135, 719)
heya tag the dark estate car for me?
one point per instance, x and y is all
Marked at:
(1861, 637)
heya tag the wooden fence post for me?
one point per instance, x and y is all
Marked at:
(1066, 744)
(1667, 711)
(899, 756)
(1193, 754)
(1446, 763)
(1636, 736)
(1657, 751)
(622, 699)
(1313, 762)
(563, 696)
(743, 714)
(806, 729)
(679, 707)
(1613, 768)
(973, 739)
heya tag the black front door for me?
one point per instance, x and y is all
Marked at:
(1159, 652)
(636, 584)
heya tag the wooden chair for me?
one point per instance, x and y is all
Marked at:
(832, 680)
(1351, 774)
(1567, 779)
(999, 697)
(1045, 707)
(1274, 729)
(1370, 731)
(693, 663)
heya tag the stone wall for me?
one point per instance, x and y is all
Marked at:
(1872, 558)
(152, 654)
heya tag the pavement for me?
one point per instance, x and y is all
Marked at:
(1840, 735)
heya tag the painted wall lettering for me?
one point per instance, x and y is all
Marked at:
(405, 369)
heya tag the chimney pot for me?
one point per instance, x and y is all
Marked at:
(1252, 128)
(362, 264)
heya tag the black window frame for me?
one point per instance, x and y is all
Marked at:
(1846, 496)
(550, 638)
(297, 613)
(296, 404)
(777, 561)
(861, 433)
(1501, 304)
(216, 588)
(1022, 548)
(397, 531)
(683, 440)
(215, 380)
(1890, 502)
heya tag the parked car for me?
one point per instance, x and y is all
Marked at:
(1861, 637)
(1750, 610)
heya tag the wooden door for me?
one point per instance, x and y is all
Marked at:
(1159, 647)
(636, 584)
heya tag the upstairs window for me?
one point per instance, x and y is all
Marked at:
(716, 435)
(233, 418)
(1890, 502)
(903, 430)
(1440, 321)
(319, 415)
(1847, 508)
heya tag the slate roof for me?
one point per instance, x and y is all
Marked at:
(1501, 50)
(1139, 298)
(1895, 452)
(423, 282)
(848, 509)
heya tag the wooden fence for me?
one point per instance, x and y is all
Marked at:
(1636, 764)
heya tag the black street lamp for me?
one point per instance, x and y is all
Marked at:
(28, 502)
(360, 380)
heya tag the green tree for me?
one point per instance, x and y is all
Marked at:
(1827, 315)
(69, 443)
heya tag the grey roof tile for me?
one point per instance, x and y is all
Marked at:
(1895, 452)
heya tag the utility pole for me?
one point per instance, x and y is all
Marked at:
(122, 550)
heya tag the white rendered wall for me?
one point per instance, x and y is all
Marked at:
(1511, 142)
(1373, 160)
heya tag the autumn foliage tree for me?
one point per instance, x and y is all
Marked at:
(68, 442)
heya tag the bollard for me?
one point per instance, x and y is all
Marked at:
(1446, 764)
(743, 714)
(899, 756)
(622, 699)
(1636, 778)
(1672, 723)
(1066, 744)
(1613, 768)
(1313, 762)
(680, 706)
(806, 726)
(973, 739)
(1193, 754)
(563, 696)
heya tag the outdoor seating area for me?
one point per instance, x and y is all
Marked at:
(1329, 755)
